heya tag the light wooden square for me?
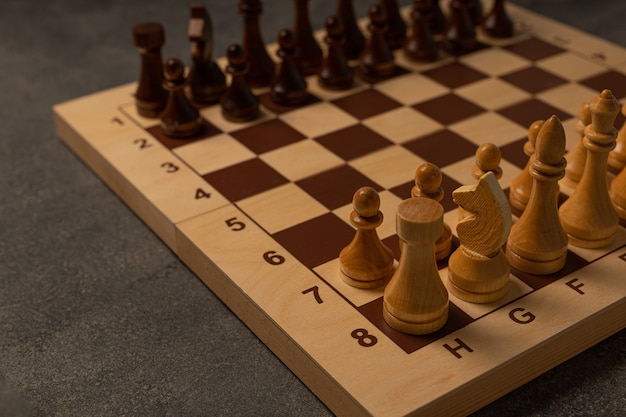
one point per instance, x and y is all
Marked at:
(489, 128)
(402, 60)
(411, 88)
(301, 159)
(494, 61)
(389, 167)
(282, 207)
(402, 124)
(317, 90)
(568, 97)
(214, 153)
(492, 93)
(570, 66)
(318, 119)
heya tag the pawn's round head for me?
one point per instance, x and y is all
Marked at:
(428, 178)
(488, 157)
(235, 55)
(533, 131)
(366, 202)
(377, 15)
(173, 69)
(287, 39)
(334, 27)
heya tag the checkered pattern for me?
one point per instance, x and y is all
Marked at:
(309, 160)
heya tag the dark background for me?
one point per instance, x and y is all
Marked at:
(97, 316)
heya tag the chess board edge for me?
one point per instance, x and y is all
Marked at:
(176, 228)
(468, 396)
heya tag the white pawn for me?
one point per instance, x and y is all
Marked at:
(618, 194)
(617, 157)
(428, 184)
(521, 185)
(366, 262)
(577, 156)
(487, 159)
(415, 301)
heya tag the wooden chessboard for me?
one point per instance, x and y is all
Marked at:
(260, 211)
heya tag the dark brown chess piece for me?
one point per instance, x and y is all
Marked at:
(475, 11)
(238, 102)
(206, 80)
(431, 10)
(261, 66)
(336, 73)
(421, 45)
(150, 97)
(377, 59)
(309, 52)
(354, 39)
(288, 87)
(179, 119)
(396, 26)
(461, 34)
(497, 23)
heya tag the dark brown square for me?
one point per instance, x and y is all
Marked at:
(534, 49)
(454, 75)
(572, 264)
(613, 80)
(514, 153)
(267, 136)
(169, 142)
(335, 188)
(533, 79)
(245, 179)
(442, 147)
(316, 241)
(353, 142)
(366, 103)
(373, 311)
(528, 111)
(448, 109)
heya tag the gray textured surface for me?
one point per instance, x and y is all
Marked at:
(97, 316)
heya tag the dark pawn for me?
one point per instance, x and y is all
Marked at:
(377, 59)
(436, 19)
(288, 87)
(238, 102)
(179, 119)
(497, 23)
(421, 45)
(396, 26)
(261, 70)
(150, 97)
(336, 73)
(309, 52)
(354, 39)
(475, 11)
(461, 35)
(206, 80)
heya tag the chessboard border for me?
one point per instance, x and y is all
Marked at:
(468, 397)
